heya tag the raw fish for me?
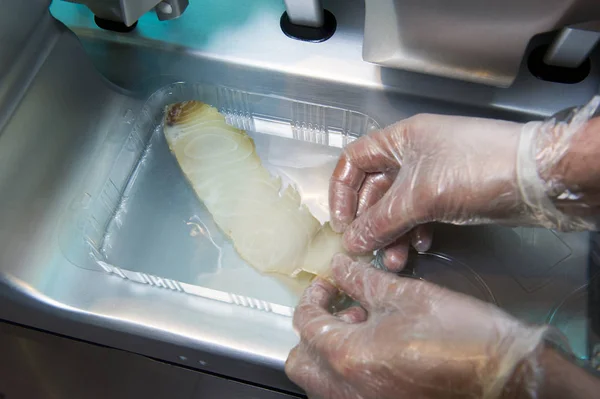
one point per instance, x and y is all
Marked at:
(269, 226)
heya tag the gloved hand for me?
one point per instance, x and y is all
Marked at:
(411, 339)
(434, 168)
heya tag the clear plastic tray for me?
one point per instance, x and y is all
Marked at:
(570, 317)
(140, 219)
(450, 273)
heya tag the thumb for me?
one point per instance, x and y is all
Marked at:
(384, 222)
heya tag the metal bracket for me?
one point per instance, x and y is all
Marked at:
(170, 9)
(573, 45)
(129, 11)
(305, 12)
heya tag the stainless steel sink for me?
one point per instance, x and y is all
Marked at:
(78, 90)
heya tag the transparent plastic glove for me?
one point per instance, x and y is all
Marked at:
(411, 339)
(434, 168)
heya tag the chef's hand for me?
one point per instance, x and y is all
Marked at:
(434, 168)
(410, 339)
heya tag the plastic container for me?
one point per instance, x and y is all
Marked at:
(139, 219)
(450, 273)
(570, 316)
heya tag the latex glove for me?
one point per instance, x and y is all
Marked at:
(411, 339)
(434, 168)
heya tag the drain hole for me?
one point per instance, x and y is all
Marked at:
(114, 26)
(309, 34)
(557, 74)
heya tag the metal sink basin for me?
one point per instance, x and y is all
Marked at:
(83, 85)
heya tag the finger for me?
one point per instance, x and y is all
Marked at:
(373, 189)
(379, 151)
(360, 280)
(344, 186)
(352, 315)
(380, 225)
(302, 369)
(370, 154)
(396, 255)
(312, 317)
(422, 237)
(306, 372)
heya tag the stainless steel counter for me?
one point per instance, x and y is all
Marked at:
(56, 111)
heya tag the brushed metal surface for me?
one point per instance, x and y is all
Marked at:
(233, 43)
(55, 135)
(49, 144)
(477, 41)
(23, 20)
(38, 365)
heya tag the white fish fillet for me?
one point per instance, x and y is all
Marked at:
(270, 228)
